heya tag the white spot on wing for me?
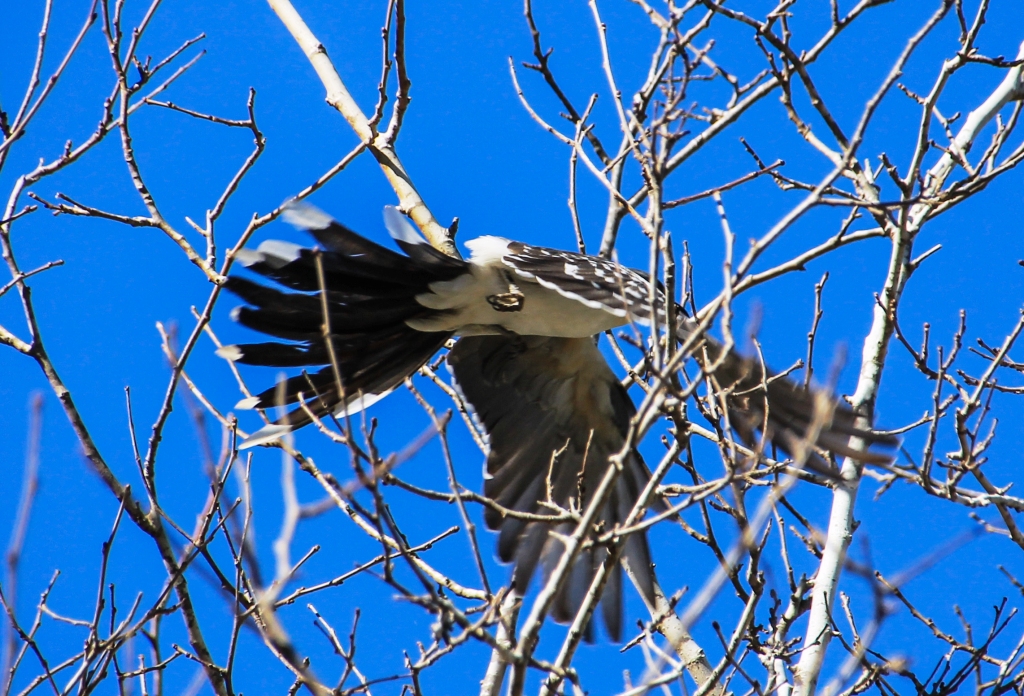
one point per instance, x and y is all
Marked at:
(284, 252)
(400, 228)
(524, 274)
(360, 403)
(593, 304)
(248, 257)
(265, 435)
(306, 216)
(231, 353)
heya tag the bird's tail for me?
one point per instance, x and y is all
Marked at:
(361, 345)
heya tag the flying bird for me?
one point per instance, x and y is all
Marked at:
(525, 361)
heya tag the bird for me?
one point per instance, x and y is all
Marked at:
(525, 360)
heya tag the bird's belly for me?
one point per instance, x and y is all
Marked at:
(547, 313)
(468, 306)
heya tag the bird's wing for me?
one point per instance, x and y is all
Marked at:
(789, 411)
(553, 413)
(596, 282)
(758, 400)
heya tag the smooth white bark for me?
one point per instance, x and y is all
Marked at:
(841, 518)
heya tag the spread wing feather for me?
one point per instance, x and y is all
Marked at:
(554, 413)
(592, 280)
(790, 409)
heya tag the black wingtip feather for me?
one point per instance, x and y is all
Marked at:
(791, 409)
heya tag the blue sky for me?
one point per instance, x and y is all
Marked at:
(474, 153)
